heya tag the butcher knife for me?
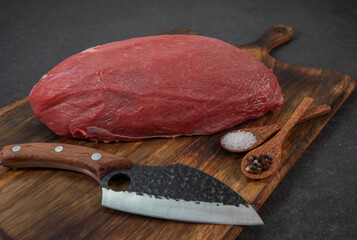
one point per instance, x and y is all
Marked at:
(175, 192)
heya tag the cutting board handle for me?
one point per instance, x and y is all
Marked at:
(90, 161)
(274, 37)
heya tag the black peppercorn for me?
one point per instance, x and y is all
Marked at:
(257, 165)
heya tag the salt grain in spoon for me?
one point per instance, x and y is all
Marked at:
(245, 139)
(239, 140)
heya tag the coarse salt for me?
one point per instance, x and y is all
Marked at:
(239, 140)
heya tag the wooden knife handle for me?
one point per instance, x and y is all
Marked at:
(86, 160)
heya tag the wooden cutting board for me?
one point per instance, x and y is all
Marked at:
(55, 204)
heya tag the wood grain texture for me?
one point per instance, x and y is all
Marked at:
(53, 204)
(46, 155)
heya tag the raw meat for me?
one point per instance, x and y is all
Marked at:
(157, 86)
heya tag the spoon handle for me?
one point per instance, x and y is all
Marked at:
(294, 118)
(315, 112)
(310, 114)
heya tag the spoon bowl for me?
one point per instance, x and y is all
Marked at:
(273, 147)
(272, 151)
(262, 133)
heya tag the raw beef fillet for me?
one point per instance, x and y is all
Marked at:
(157, 86)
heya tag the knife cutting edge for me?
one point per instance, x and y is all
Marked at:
(174, 192)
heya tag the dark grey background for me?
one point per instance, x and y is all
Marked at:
(317, 199)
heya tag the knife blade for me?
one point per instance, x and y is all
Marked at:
(174, 192)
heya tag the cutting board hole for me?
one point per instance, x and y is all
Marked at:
(279, 29)
(119, 182)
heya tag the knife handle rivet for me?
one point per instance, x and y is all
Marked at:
(16, 148)
(59, 149)
(96, 156)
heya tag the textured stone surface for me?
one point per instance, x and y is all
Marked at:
(316, 200)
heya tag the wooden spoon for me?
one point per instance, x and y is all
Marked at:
(273, 147)
(264, 132)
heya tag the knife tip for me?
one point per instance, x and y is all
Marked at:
(256, 219)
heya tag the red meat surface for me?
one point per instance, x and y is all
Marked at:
(157, 86)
